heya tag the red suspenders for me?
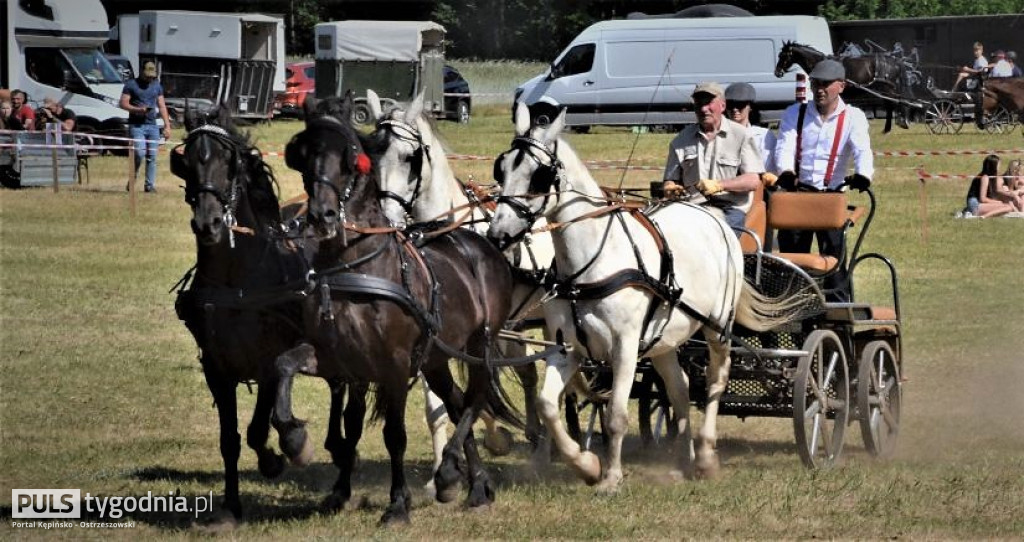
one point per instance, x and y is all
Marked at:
(835, 143)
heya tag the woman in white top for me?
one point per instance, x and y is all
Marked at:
(739, 106)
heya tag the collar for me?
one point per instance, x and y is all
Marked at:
(723, 130)
(840, 107)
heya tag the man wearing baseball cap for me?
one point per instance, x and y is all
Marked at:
(1001, 67)
(715, 161)
(817, 146)
(1011, 58)
(143, 98)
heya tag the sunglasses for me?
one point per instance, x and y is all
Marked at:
(736, 105)
(818, 83)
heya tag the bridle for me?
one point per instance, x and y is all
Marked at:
(548, 175)
(406, 132)
(193, 188)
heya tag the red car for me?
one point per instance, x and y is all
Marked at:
(300, 79)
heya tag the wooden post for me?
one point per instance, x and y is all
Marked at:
(131, 177)
(924, 205)
(54, 137)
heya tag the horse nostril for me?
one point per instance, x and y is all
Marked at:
(330, 215)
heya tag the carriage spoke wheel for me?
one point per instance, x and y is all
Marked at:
(879, 397)
(654, 411)
(821, 399)
(944, 117)
(999, 121)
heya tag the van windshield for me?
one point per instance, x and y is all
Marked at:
(579, 59)
(93, 66)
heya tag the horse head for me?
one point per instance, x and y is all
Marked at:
(404, 137)
(785, 59)
(218, 165)
(792, 53)
(335, 169)
(529, 173)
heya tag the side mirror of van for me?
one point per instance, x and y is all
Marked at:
(554, 72)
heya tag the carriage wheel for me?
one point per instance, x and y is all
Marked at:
(999, 121)
(944, 117)
(654, 411)
(821, 399)
(592, 414)
(879, 397)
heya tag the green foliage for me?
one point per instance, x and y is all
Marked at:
(838, 10)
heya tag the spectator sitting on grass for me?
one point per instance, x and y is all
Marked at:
(985, 197)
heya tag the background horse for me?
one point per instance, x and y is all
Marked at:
(606, 318)
(237, 306)
(880, 72)
(417, 183)
(380, 307)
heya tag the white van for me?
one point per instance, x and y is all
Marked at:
(642, 71)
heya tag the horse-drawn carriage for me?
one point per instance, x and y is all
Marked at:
(893, 80)
(365, 301)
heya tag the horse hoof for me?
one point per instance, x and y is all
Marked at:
(271, 465)
(498, 442)
(304, 456)
(708, 468)
(334, 503)
(447, 494)
(608, 486)
(589, 467)
(394, 516)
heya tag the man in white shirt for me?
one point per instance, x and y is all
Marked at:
(817, 145)
(1001, 68)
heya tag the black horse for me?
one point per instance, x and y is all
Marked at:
(384, 308)
(879, 72)
(242, 306)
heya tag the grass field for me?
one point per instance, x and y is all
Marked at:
(101, 390)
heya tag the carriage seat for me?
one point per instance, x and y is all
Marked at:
(757, 222)
(811, 211)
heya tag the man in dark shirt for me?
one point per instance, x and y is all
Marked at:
(143, 98)
(54, 111)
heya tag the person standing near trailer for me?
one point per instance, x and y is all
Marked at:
(143, 98)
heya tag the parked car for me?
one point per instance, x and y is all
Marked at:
(300, 79)
(457, 103)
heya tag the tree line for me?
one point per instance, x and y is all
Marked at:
(539, 29)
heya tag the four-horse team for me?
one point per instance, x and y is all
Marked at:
(393, 267)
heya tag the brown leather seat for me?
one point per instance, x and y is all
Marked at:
(808, 211)
(757, 222)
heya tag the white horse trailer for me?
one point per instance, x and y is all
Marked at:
(236, 59)
(396, 59)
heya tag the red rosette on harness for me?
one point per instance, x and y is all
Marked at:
(363, 163)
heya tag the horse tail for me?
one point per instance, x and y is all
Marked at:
(499, 403)
(759, 312)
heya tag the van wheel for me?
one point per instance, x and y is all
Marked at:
(9, 178)
(462, 112)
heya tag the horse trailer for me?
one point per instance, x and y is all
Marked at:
(234, 59)
(396, 59)
(642, 71)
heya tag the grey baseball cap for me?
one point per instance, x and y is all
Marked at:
(741, 92)
(828, 70)
(1012, 55)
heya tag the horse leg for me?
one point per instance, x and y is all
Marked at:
(677, 387)
(291, 431)
(437, 422)
(623, 358)
(395, 438)
(343, 448)
(481, 490)
(556, 375)
(271, 464)
(223, 391)
(447, 472)
(528, 377)
(717, 375)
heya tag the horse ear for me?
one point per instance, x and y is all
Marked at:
(415, 109)
(309, 106)
(556, 126)
(374, 102)
(522, 119)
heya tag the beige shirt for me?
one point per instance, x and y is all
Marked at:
(732, 152)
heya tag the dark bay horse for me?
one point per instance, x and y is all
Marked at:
(383, 309)
(877, 71)
(236, 306)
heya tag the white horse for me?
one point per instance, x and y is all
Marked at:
(544, 177)
(417, 184)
